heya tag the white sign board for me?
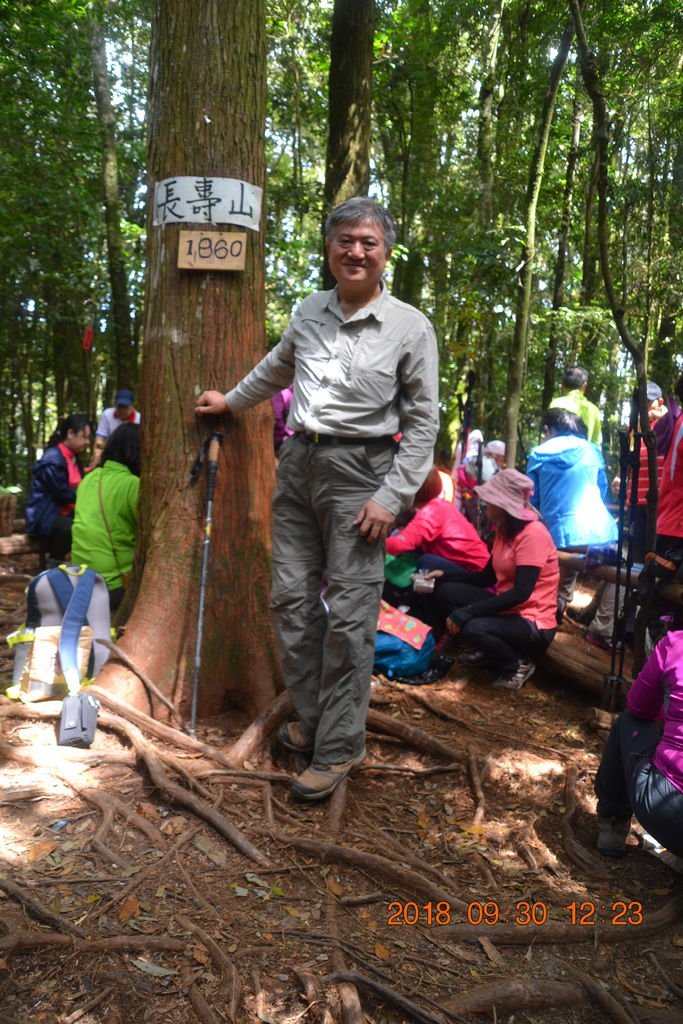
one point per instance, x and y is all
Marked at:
(198, 200)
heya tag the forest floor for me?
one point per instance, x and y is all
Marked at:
(455, 871)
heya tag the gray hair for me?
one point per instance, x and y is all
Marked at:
(358, 209)
(574, 377)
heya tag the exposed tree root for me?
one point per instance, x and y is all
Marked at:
(121, 655)
(352, 1011)
(410, 734)
(159, 730)
(598, 994)
(178, 794)
(406, 1006)
(516, 994)
(18, 941)
(315, 997)
(91, 1004)
(38, 911)
(577, 853)
(230, 985)
(260, 729)
(475, 779)
(374, 865)
(200, 1006)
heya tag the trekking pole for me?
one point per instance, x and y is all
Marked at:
(629, 463)
(212, 448)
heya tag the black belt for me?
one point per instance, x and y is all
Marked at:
(326, 439)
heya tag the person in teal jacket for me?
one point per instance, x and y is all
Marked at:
(106, 516)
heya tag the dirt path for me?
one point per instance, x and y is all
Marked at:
(439, 887)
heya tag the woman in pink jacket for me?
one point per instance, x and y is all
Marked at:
(641, 772)
(439, 533)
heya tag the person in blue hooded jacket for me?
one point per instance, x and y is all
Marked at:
(570, 487)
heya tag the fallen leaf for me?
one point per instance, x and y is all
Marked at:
(255, 880)
(211, 850)
(200, 955)
(381, 952)
(491, 951)
(156, 970)
(4, 966)
(129, 908)
(333, 886)
(42, 849)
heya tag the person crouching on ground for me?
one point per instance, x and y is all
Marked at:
(641, 771)
(106, 516)
(516, 623)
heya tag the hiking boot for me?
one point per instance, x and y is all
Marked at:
(321, 780)
(517, 679)
(612, 836)
(292, 737)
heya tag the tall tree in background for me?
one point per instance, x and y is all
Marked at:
(125, 354)
(206, 118)
(518, 348)
(347, 168)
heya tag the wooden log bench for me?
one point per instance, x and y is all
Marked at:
(22, 544)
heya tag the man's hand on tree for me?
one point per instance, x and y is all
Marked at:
(211, 403)
(374, 521)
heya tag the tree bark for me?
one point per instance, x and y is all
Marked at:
(202, 330)
(518, 348)
(561, 258)
(347, 169)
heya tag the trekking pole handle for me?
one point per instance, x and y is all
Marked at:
(214, 447)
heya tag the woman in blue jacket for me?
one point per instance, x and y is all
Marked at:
(570, 487)
(50, 509)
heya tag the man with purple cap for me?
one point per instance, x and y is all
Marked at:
(123, 411)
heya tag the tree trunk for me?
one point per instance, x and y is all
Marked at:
(203, 330)
(518, 348)
(124, 348)
(485, 129)
(591, 78)
(347, 170)
(561, 258)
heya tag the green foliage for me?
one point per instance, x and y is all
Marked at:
(438, 87)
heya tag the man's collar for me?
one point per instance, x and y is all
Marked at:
(374, 308)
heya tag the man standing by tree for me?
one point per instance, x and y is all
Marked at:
(363, 366)
(574, 381)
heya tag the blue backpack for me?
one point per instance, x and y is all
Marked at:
(394, 657)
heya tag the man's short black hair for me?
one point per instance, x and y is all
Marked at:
(358, 209)
(574, 377)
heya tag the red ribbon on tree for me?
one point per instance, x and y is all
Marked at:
(87, 337)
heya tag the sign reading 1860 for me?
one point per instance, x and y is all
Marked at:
(208, 250)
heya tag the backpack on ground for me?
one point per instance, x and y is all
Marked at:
(403, 646)
(67, 609)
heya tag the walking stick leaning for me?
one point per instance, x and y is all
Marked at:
(214, 444)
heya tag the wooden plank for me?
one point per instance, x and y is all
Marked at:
(19, 544)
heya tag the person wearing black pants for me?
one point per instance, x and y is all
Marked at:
(512, 624)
